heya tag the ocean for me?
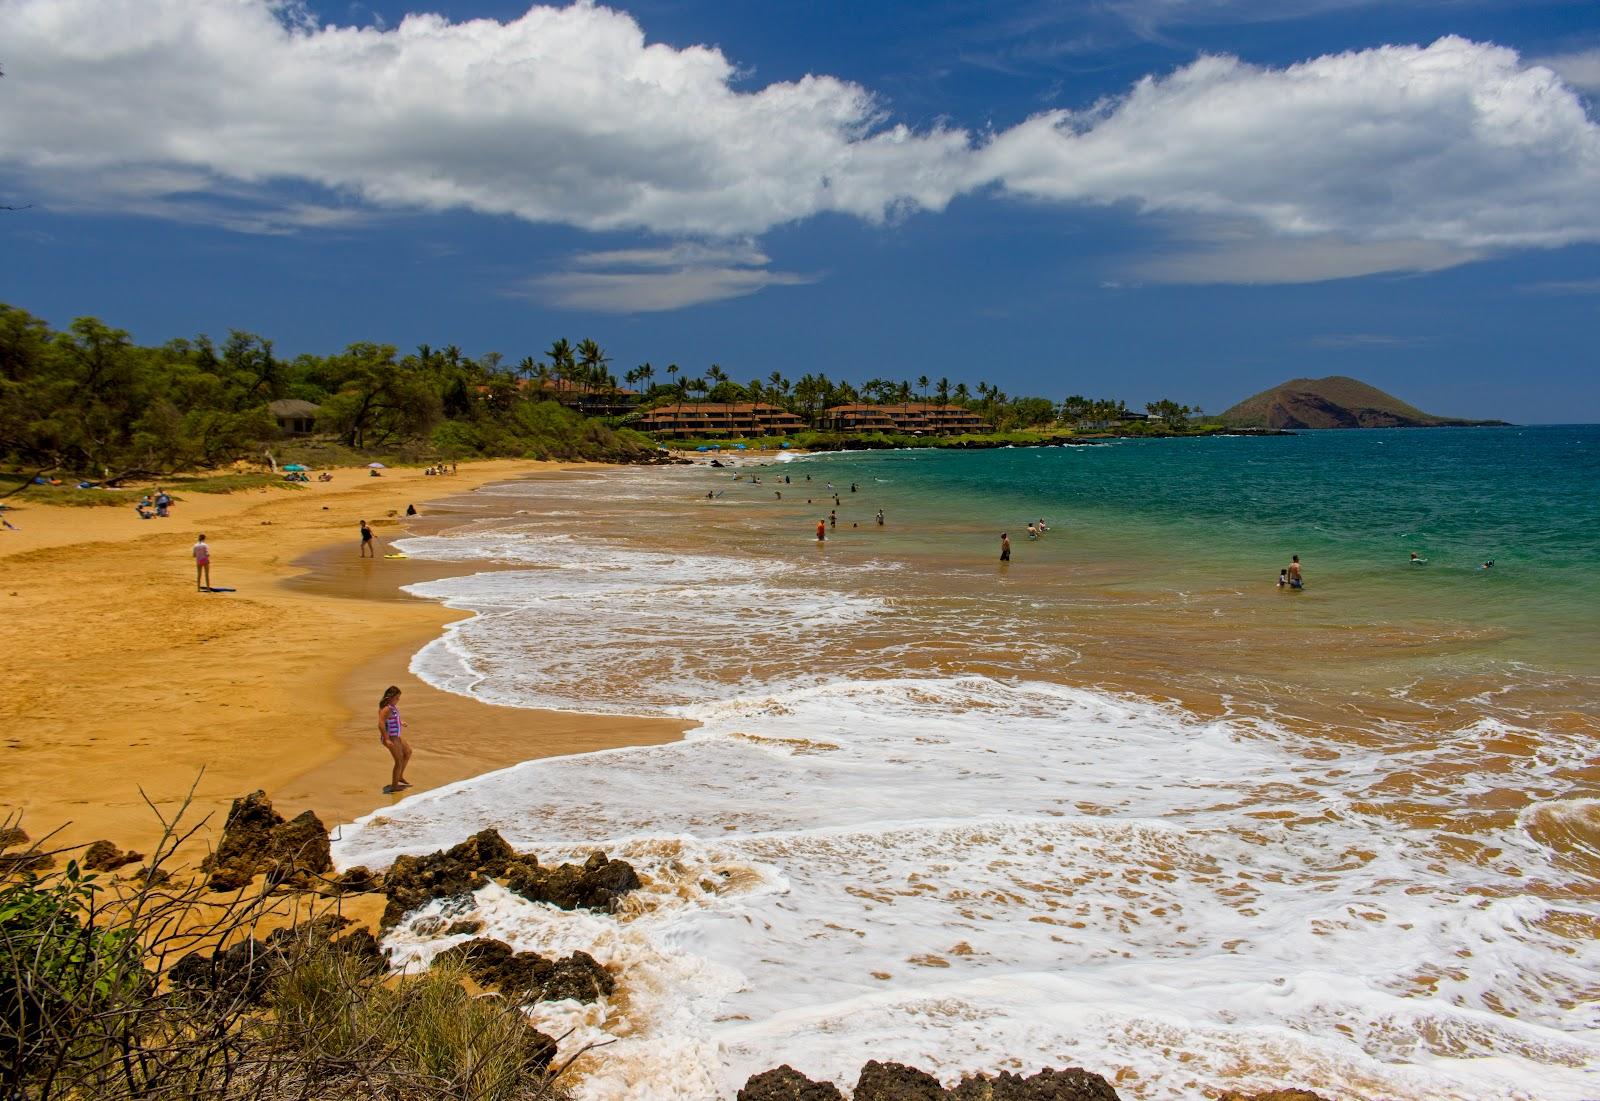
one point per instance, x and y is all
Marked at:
(1120, 803)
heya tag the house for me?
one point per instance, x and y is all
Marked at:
(914, 417)
(294, 417)
(717, 418)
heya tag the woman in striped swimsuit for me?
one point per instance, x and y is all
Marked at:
(389, 725)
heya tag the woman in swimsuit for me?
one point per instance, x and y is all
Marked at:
(389, 725)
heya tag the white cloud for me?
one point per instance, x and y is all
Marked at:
(652, 280)
(1400, 158)
(1456, 143)
(1581, 69)
(1277, 260)
(563, 115)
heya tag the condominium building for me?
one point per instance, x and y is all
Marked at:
(906, 416)
(716, 418)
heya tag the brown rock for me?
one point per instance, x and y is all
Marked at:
(787, 1084)
(1071, 1084)
(896, 1082)
(494, 964)
(257, 841)
(103, 856)
(485, 851)
(412, 881)
(1273, 1095)
(598, 884)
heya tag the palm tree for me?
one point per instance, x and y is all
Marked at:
(962, 394)
(943, 392)
(922, 387)
(562, 361)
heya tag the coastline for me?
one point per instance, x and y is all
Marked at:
(132, 684)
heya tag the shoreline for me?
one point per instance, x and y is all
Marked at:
(134, 685)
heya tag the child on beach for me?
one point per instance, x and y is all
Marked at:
(366, 541)
(202, 563)
(389, 735)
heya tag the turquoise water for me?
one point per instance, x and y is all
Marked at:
(1188, 514)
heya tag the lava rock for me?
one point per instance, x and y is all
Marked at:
(103, 856)
(1071, 1084)
(787, 1084)
(257, 840)
(486, 851)
(495, 964)
(357, 881)
(1273, 1095)
(598, 884)
(896, 1082)
(413, 881)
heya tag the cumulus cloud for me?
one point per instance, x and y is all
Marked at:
(1458, 144)
(652, 280)
(1399, 158)
(563, 115)
(1581, 68)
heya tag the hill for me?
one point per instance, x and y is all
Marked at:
(1332, 402)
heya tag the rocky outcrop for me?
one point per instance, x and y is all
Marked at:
(787, 1084)
(256, 840)
(898, 1082)
(412, 881)
(30, 859)
(528, 975)
(103, 856)
(597, 884)
(1273, 1095)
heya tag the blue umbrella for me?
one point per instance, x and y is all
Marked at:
(296, 466)
(702, 447)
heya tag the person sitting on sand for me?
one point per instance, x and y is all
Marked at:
(202, 563)
(324, 477)
(389, 735)
(143, 509)
(374, 473)
(411, 510)
(366, 542)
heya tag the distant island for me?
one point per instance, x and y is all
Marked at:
(1334, 402)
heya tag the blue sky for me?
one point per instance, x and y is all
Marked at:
(1139, 198)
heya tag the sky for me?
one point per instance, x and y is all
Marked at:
(1138, 199)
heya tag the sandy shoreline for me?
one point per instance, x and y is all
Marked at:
(127, 678)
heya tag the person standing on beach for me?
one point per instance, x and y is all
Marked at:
(1005, 547)
(366, 542)
(202, 564)
(389, 734)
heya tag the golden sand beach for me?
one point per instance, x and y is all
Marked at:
(127, 682)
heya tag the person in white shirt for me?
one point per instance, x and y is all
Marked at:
(202, 564)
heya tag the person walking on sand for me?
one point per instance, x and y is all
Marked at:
(202, 564)
(366, 542)
(1005, 547)
(389, 734)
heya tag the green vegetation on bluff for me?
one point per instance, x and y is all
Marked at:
(87, 400)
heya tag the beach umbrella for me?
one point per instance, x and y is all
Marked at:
(702, 447)
(296, 466)
(739, 446)
(376, 466)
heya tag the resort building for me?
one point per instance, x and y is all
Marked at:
(908, 416)
(716, 418)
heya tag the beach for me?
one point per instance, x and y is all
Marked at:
(126, 683)
(1117, 803)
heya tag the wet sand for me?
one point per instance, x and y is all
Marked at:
(127, 683)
